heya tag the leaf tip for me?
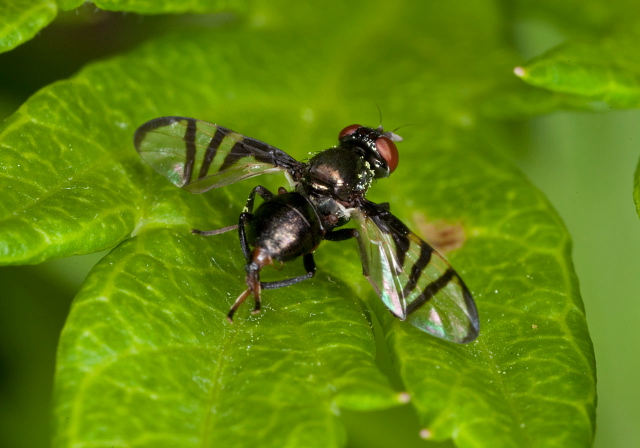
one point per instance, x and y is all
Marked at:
(520, 72)
(425, 434)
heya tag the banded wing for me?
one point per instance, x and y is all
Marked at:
(413, 280)
(198, 156)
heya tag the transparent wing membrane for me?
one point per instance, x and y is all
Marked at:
(413, 280)
(198, 156)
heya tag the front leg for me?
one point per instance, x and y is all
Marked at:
(340, 234)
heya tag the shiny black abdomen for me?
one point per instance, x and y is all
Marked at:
(286, 227)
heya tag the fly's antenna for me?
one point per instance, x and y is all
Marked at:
(392, 134)
(404, 126)
(379, 114)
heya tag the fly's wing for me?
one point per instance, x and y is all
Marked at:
(198, 156)
(413, 280)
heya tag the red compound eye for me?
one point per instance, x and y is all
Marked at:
(349, 130)
(388, 151)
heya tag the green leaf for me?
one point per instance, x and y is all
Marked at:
(147, 357)
(74, 199)
(162, 348)
(607, 71)
(520, 101)
(20, 20)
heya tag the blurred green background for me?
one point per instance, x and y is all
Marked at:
(583, 162)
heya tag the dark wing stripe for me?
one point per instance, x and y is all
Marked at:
(238, 151)
(210, 154)
(383, 221)
(402, 247)
(150, 126)
(190, 140)
(417, 268)
(431, 290)
(265, 153)
(400, 236)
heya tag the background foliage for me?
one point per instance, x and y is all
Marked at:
(73, 185)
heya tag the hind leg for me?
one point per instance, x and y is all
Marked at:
(253, 283)
(239, 301)
(258, 259)
(255, 286)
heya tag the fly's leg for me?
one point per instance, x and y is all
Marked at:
(247, 214)
(253, 283)
(239, 301)
(214, 232)
(259, 259)
(341, 234)
(255, 261)
(263, 192)
(253, 279)
(309, 265)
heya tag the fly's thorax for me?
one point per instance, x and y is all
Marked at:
(338, 172)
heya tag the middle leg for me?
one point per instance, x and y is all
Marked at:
(246, 215)
(310, 267)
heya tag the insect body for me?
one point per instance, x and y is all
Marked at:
(413, 280)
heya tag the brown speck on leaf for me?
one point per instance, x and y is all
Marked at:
(442, 236)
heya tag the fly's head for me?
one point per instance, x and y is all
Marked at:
(374, 145)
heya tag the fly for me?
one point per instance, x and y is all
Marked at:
(415, 282)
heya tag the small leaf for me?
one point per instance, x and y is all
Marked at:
(20, 20)
(607, 71)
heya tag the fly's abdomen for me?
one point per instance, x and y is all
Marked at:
(286, 227)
